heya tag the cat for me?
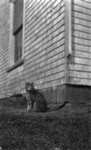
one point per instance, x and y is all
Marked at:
(35, 100)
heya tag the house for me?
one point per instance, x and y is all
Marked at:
(48, 42)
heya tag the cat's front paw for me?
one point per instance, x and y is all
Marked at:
(29, 108)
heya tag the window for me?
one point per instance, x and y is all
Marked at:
(18, 29)
(16, 34)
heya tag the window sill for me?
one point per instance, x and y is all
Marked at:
(17, 64)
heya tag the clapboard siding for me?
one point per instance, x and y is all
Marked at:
(44, 45)
(15, 80)
(80, 67)
(82, 35)
(56, 47)
(10, 82)
(83, 3)
(4, 45)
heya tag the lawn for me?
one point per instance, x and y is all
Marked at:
(20, 130)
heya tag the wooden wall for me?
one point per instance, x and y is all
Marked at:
(10, 82)
(44, 45)
(80, 61)
(4, 45)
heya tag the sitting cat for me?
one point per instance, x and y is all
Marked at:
(35, 100)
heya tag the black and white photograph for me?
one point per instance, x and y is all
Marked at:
(45, 74)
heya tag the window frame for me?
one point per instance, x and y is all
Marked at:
(17, 31)
(12, 63)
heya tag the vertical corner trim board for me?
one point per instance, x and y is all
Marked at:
(68, 36)
(68, 25)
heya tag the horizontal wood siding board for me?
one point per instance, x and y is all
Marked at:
(82, 35)
(51, 57)
(53, 77)
(46, 79)
(44, 64)
(49, 84)
(80, 69)
(81, 41)
(44, 10)
(82, 22)
(48, 48)
(82, 54)
(81, 9)
(44, 7)
(45, 69)
(44, 27)
(82, 61)
(44, 42)
(48, 73)
(82, 16)
(78, 81)
(81, 28)
(82, 3)
(81, 48)
(81, 75)
(42, 20)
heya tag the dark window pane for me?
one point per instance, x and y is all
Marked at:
(17, 31)
(18, 45)
(18, 14)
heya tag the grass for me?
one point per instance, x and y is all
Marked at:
(44, 131)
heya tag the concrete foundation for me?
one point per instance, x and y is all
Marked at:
(78, 96)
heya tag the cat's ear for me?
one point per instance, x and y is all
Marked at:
(33, 84)
(26, 84)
